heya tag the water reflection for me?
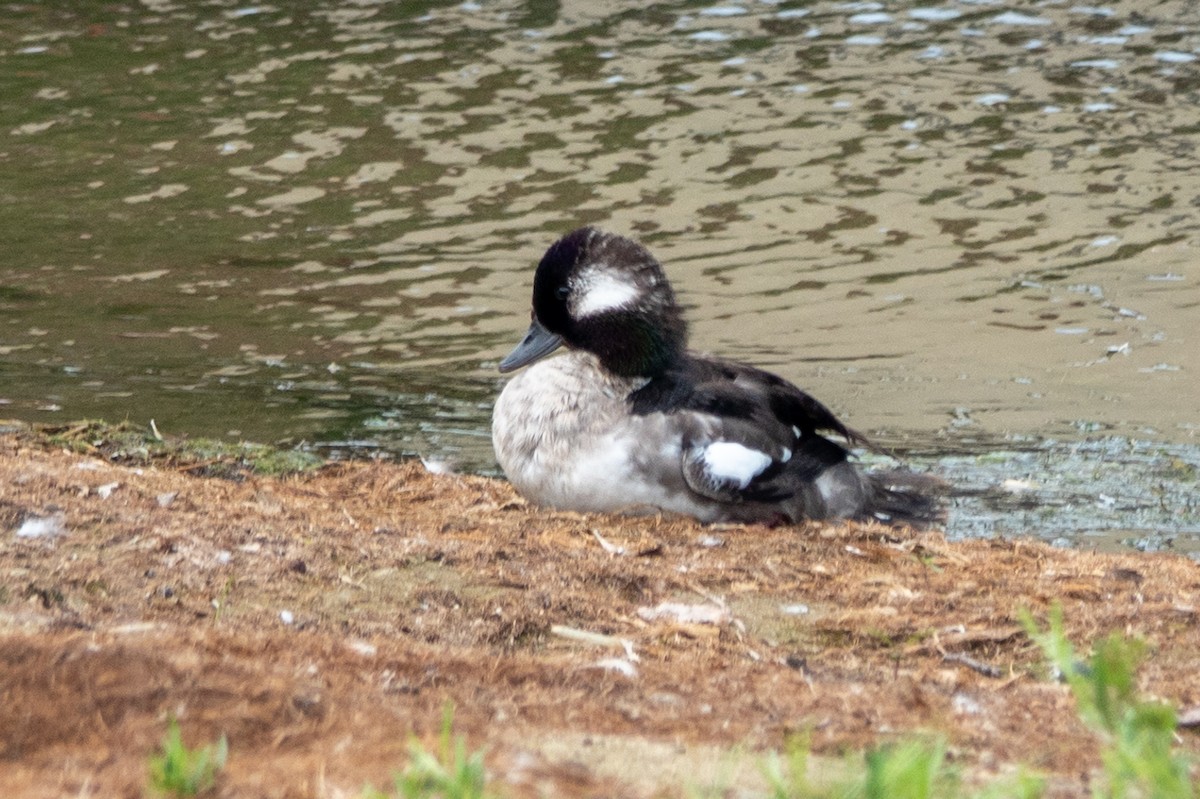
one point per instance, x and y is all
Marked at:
(311, 223)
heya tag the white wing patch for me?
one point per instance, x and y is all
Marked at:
(728, 460)
(601, 291)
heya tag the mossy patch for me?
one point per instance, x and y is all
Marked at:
(132, 444)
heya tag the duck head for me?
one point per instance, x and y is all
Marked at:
(607, 295)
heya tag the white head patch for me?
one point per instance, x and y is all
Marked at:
(728, 460)
(601, 290)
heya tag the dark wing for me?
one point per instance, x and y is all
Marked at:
(794, 406)
(751, 436)
(710, 385)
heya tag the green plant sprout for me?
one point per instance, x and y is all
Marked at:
(449, 773)
(1139, 757)
(178, 771)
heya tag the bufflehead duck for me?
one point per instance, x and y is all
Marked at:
(629, 420)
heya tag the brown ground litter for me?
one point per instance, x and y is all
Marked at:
(167, 593)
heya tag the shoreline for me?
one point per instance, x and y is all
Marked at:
(320, 618)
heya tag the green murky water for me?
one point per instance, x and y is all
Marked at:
(970, 227)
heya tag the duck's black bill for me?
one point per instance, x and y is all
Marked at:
(538, 343)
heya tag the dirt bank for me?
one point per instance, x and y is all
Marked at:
(318, 620)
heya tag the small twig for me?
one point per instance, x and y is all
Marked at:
(584, 636)
(719, 601)
(595, 639)
(986, 669)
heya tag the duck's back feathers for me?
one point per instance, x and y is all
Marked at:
(754, 441)
(735, 390)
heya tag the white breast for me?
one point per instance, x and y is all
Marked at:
(564, 436)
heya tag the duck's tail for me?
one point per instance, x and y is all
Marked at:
(905, 498)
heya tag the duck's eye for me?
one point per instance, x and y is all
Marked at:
(562, 292)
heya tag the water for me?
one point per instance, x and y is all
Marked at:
(969, 227)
